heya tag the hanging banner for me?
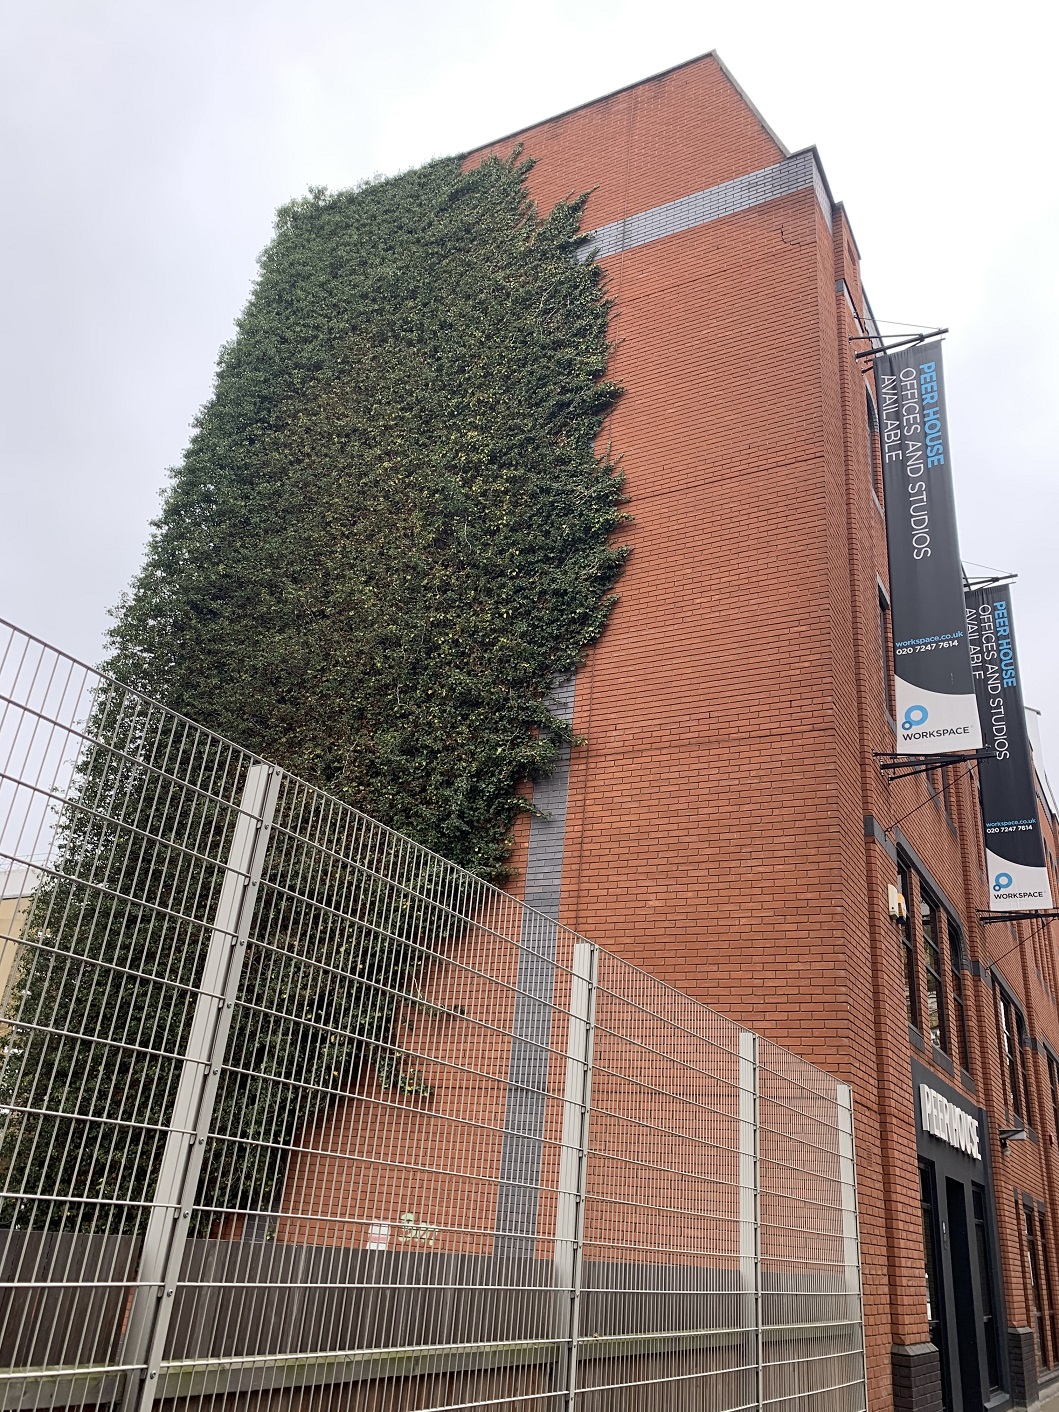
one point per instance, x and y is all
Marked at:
(934, 694)
(1014, 848)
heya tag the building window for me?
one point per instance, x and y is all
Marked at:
(930, 931)
(886, 644)
(1049, 961)
(946, 796)
(1038, 956)
(1053, 1085)
(1040, 1289)
(904, 884)
(1020, 1034)
(1012, 1031)
(1049, 1291)
(961, 1048)
(874, 451)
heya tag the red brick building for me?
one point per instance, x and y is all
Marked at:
(726, 824)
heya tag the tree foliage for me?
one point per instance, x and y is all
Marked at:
(390, 532)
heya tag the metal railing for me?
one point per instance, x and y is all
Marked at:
(292, 1108)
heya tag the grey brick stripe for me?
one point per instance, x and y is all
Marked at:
(797, 173)
(527, 1082)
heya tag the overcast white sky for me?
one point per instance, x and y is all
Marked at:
(145, 146)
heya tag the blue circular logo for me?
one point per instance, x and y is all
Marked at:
(1002, 882)
(914, 716)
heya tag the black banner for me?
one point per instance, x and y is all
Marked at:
(934, 693)
(1015, 859)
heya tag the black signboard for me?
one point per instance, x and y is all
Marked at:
(1018, 873)
(934, 694)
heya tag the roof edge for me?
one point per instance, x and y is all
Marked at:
(627, 88)
(813, 151)
(837, 207)
(747, 100)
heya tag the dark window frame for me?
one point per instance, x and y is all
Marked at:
(959, 1000)
(912, 1005)
(1020, 1030)
(1040, 1283)
(946, 796)
(1011, 1035)
(1044, 1240)
(930, 919)
(1053, 1087)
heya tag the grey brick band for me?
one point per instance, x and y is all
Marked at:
(1022, 1353)
(916, 1372)
(797, 173)
(527, 1083)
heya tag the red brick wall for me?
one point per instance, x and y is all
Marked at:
(715, 820)
(683, 131)
(714, 830)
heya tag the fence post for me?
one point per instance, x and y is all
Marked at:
(847, 1175)
(170, 1218)
(750, 1194)
(573, 1159)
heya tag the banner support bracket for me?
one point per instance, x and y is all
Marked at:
(890, 761)
(999, 581)
(1047, 914)
(896, 344)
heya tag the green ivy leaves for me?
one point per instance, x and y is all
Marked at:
(391, 531)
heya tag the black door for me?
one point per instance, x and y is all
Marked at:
(963, 1296)
(985, 1286)
(928, 1200)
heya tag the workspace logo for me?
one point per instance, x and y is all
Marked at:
(915, 719)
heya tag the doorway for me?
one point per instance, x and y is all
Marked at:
(967, 1320)
(965, 1309)
(934, 1274)
(959, 1288)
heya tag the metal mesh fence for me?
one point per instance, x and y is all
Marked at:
(295, 1112)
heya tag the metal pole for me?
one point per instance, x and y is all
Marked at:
(750, 1194)
(848, 1179)
(573, 1161)
(170, 1219)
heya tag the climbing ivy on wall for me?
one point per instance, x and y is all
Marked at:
(391, 531)
(389, 536)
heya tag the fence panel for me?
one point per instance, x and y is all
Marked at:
(293, 1108)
